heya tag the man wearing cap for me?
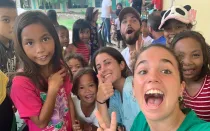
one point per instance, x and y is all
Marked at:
(153, 23)
(130, 27)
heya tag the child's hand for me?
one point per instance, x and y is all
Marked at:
(55, 81)
(77, 126)
(105, 90)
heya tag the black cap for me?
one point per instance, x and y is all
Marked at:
(127, 10)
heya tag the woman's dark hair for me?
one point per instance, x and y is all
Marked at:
(79, 74)
(52, 15)
(60, 27)
(167, 49)
(78, 26)
(90, 14)
(119, 4)
(31, 69)
(7, 4)
(77, 56)
(116, 55)
(204, 47)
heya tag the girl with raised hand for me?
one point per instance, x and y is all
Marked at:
(41, 92)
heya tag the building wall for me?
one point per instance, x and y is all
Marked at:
(202, 15)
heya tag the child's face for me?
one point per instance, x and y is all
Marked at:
(191, 56)
(119, 7)
(38, 44)
(7, 18)
(74, 65)
(63, 37)
(172, 28)
(87, 89)
(156, 83)
(144, 28)
(84, 35)
(108, 68)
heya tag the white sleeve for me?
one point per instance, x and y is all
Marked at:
(109, 3)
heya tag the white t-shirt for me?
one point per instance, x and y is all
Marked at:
(147, 41)
(92, 119)
(126, 54)
(105, 13)
(117, 23)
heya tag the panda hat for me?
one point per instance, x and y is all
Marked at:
(178, 13)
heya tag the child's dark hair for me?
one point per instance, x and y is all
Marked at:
(77, 56)
(60, 27)
(116, 55)
(164, 47)
(144, 20)
(118, 12)
(79, 74)
(31, 69)
(204, 47)
(7, 4)
(119, 4)
(52, 15)
(90, 14)
(78, 26)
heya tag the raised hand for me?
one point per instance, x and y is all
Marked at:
(55, 81)
(105, 90)
(103, 127)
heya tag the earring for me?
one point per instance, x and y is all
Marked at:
(181, 102)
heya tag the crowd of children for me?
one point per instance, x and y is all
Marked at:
(162, 77)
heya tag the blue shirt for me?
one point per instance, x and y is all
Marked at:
(161, 40)
(128, 109)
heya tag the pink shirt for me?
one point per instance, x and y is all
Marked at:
(29, 100)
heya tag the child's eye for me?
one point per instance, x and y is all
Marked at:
(142, 72)
(81, 87)
(6, 20)
(166, 71)
(45, 39)
(196, 55)
(29, 43)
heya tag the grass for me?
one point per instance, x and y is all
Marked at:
(66, 22)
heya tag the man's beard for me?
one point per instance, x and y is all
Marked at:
(132, 40)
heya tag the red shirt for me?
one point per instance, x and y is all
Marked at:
(84, 50)
(200, 103)
(158, 4)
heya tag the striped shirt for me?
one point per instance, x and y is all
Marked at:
(83, 50)
(200, 103)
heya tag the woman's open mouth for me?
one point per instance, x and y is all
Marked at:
(153, 98)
